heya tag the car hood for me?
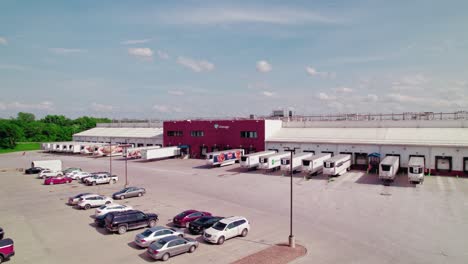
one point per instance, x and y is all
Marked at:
(211, 231)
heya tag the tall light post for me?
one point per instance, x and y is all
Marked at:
(292, 240)
(110, 156)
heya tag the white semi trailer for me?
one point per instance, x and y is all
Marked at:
(388, 168)
(135, 153)
(272, 161)
(53, 165)
(314, 164)
(160, 153)
(252, 160)
(416, 169)
(337, 165)
(225, 157)
(296, 161)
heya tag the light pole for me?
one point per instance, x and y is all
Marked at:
(110, 156)
(292, 239)
(126, 157)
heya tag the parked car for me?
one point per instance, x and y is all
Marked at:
(227, 228)
(100, 220)
(183, 219)
(107, 208)
(34, 170)
(57, 180)
(122, 221)
(49, 173)
(70, 170)
(198, 226)
(83, 179)
(78, 175)
(129, 192)
(101, 179)
(154, 234)
(93, 200)
(75, 199)
(7, 249)
(1, 233)
(171, 246)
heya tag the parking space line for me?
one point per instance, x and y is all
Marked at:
(440, 183)
(451, 183)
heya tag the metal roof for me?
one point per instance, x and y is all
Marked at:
(457, 137)
(122, 132)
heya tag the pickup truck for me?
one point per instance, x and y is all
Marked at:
(101, 179)
(7, 249)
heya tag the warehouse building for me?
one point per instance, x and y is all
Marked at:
(198, 137)
(442, 143)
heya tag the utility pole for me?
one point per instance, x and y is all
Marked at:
(126, 157)
(292, 239)
(110, 156)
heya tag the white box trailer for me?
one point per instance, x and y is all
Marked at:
(314, 164)
(296, 161)
(272, 161)
(388, 168)
(135, 153)
(416, 168)
(224, 157)
(337, 165)
(53, 165)
(160, 153)
(74, 147)
(252, 160)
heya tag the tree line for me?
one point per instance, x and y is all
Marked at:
(25, 128)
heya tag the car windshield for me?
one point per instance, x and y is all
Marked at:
(183, 214)
(159, 244)
(102, 207)
(147, 233)
(124, 190)
(219, 226)
(202, 220)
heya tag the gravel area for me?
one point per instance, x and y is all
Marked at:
(277, 254)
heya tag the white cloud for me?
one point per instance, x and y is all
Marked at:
(163, 55)
(371, 98)
(63, 51)
(194, 65)
(216, 16)
(141, 53)
(343, 90)
(268, 94)
(101, 107)
(325, 97)
(3, 41)
(264, 66)
(313, 72)
(44, 105)
(135, 41)
(167, 109)
(402, 98)
(175, 92)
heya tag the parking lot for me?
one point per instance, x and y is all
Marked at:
(348, 219)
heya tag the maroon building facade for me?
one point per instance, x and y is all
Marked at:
(199, 137)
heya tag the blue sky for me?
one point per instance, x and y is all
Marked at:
(185, 59)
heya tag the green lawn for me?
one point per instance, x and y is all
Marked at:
(23, 146)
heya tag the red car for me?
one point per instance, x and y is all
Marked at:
(6, 249)
(183, 219)
(57, 180)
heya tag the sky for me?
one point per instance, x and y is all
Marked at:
(187, 59)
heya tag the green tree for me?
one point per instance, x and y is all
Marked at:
(26, 117)
(9, 134)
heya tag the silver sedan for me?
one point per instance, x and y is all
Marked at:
(154, 234)
(171, 246)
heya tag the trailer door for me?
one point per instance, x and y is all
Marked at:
(465, 165)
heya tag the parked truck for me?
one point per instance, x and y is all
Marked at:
(135, 153)
(252, 160)
(160, 153)
(388, 168)
(53, 165)
(337, 165)
(416, 168)
(314, 164)
(296, 161)
(101, 179)
(224, 157)
(272, 161)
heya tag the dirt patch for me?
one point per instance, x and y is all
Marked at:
(277, 254)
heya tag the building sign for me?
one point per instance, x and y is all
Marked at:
(216, 126)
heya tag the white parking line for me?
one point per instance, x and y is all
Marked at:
(440, 183)
(451, 183)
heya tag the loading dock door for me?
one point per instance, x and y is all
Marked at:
(465, 165)
(443, 163)
(360, 158)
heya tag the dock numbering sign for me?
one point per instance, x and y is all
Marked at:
(216, 126)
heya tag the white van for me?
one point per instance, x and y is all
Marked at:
(388, 168)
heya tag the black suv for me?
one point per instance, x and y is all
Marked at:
(132, 219)
(34, 170)
(198, 226)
